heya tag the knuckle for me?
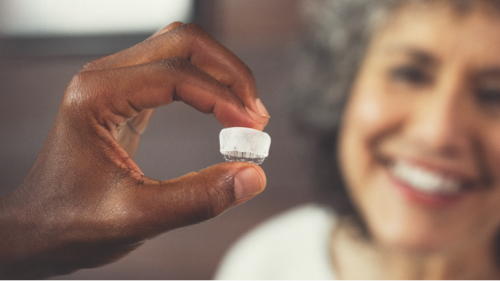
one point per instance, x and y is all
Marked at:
(93, 65)
(123, 218)
(79, 93)
(192, 32)
(216, 198)
(74, 93)
(175, 64)
(247, 73)
(193, 29)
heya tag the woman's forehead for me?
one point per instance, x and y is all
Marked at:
(457, 7)
(438, 30)
(447, 11)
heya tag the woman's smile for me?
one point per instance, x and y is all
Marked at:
(432, 183)
(419, 140)
(430, 186)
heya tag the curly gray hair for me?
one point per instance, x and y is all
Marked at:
(335, 39)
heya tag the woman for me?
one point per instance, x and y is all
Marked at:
(417, 151)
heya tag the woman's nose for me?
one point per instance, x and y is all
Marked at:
(438, 121)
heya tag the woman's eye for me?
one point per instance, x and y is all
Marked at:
(410, 74)
(489, 95)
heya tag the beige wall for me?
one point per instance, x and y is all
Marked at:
(253, 21)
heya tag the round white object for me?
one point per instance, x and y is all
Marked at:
(244, 144)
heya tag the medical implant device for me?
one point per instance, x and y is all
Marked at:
(244, 144)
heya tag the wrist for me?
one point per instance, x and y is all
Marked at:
(20, 244)
(9, 251)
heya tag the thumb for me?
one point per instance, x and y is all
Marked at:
(202, 195)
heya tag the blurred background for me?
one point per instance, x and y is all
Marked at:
(43, 43)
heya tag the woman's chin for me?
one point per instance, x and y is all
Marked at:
(412, 243)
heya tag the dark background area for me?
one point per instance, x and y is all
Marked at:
(35, 72)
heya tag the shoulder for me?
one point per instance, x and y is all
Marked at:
(293, 245)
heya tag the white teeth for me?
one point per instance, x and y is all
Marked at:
(425, 180)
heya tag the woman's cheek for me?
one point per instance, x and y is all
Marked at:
(364, 120)
(492, 160)
(373, 117)
(372, 97)
(370, 110)
(373, 114)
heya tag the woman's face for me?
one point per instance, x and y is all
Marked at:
(420, 142)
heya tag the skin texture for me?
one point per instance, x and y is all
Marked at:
(85, 202)
(428, 93)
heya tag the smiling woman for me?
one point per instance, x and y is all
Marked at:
(419, 148)
(417, 151)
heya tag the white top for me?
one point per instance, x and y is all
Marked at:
(244, 140)
(294, 245)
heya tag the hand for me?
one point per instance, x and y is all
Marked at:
(85, 202)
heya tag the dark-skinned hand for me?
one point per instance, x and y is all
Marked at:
(85, 202)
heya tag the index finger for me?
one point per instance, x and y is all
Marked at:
(191, 42)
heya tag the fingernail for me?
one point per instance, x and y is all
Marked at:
(261, 115)
(262, 109)
(256, 116)
(247, 182)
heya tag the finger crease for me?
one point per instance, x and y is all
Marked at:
(132, 128)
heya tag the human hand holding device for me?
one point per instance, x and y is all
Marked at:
(85, 202)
